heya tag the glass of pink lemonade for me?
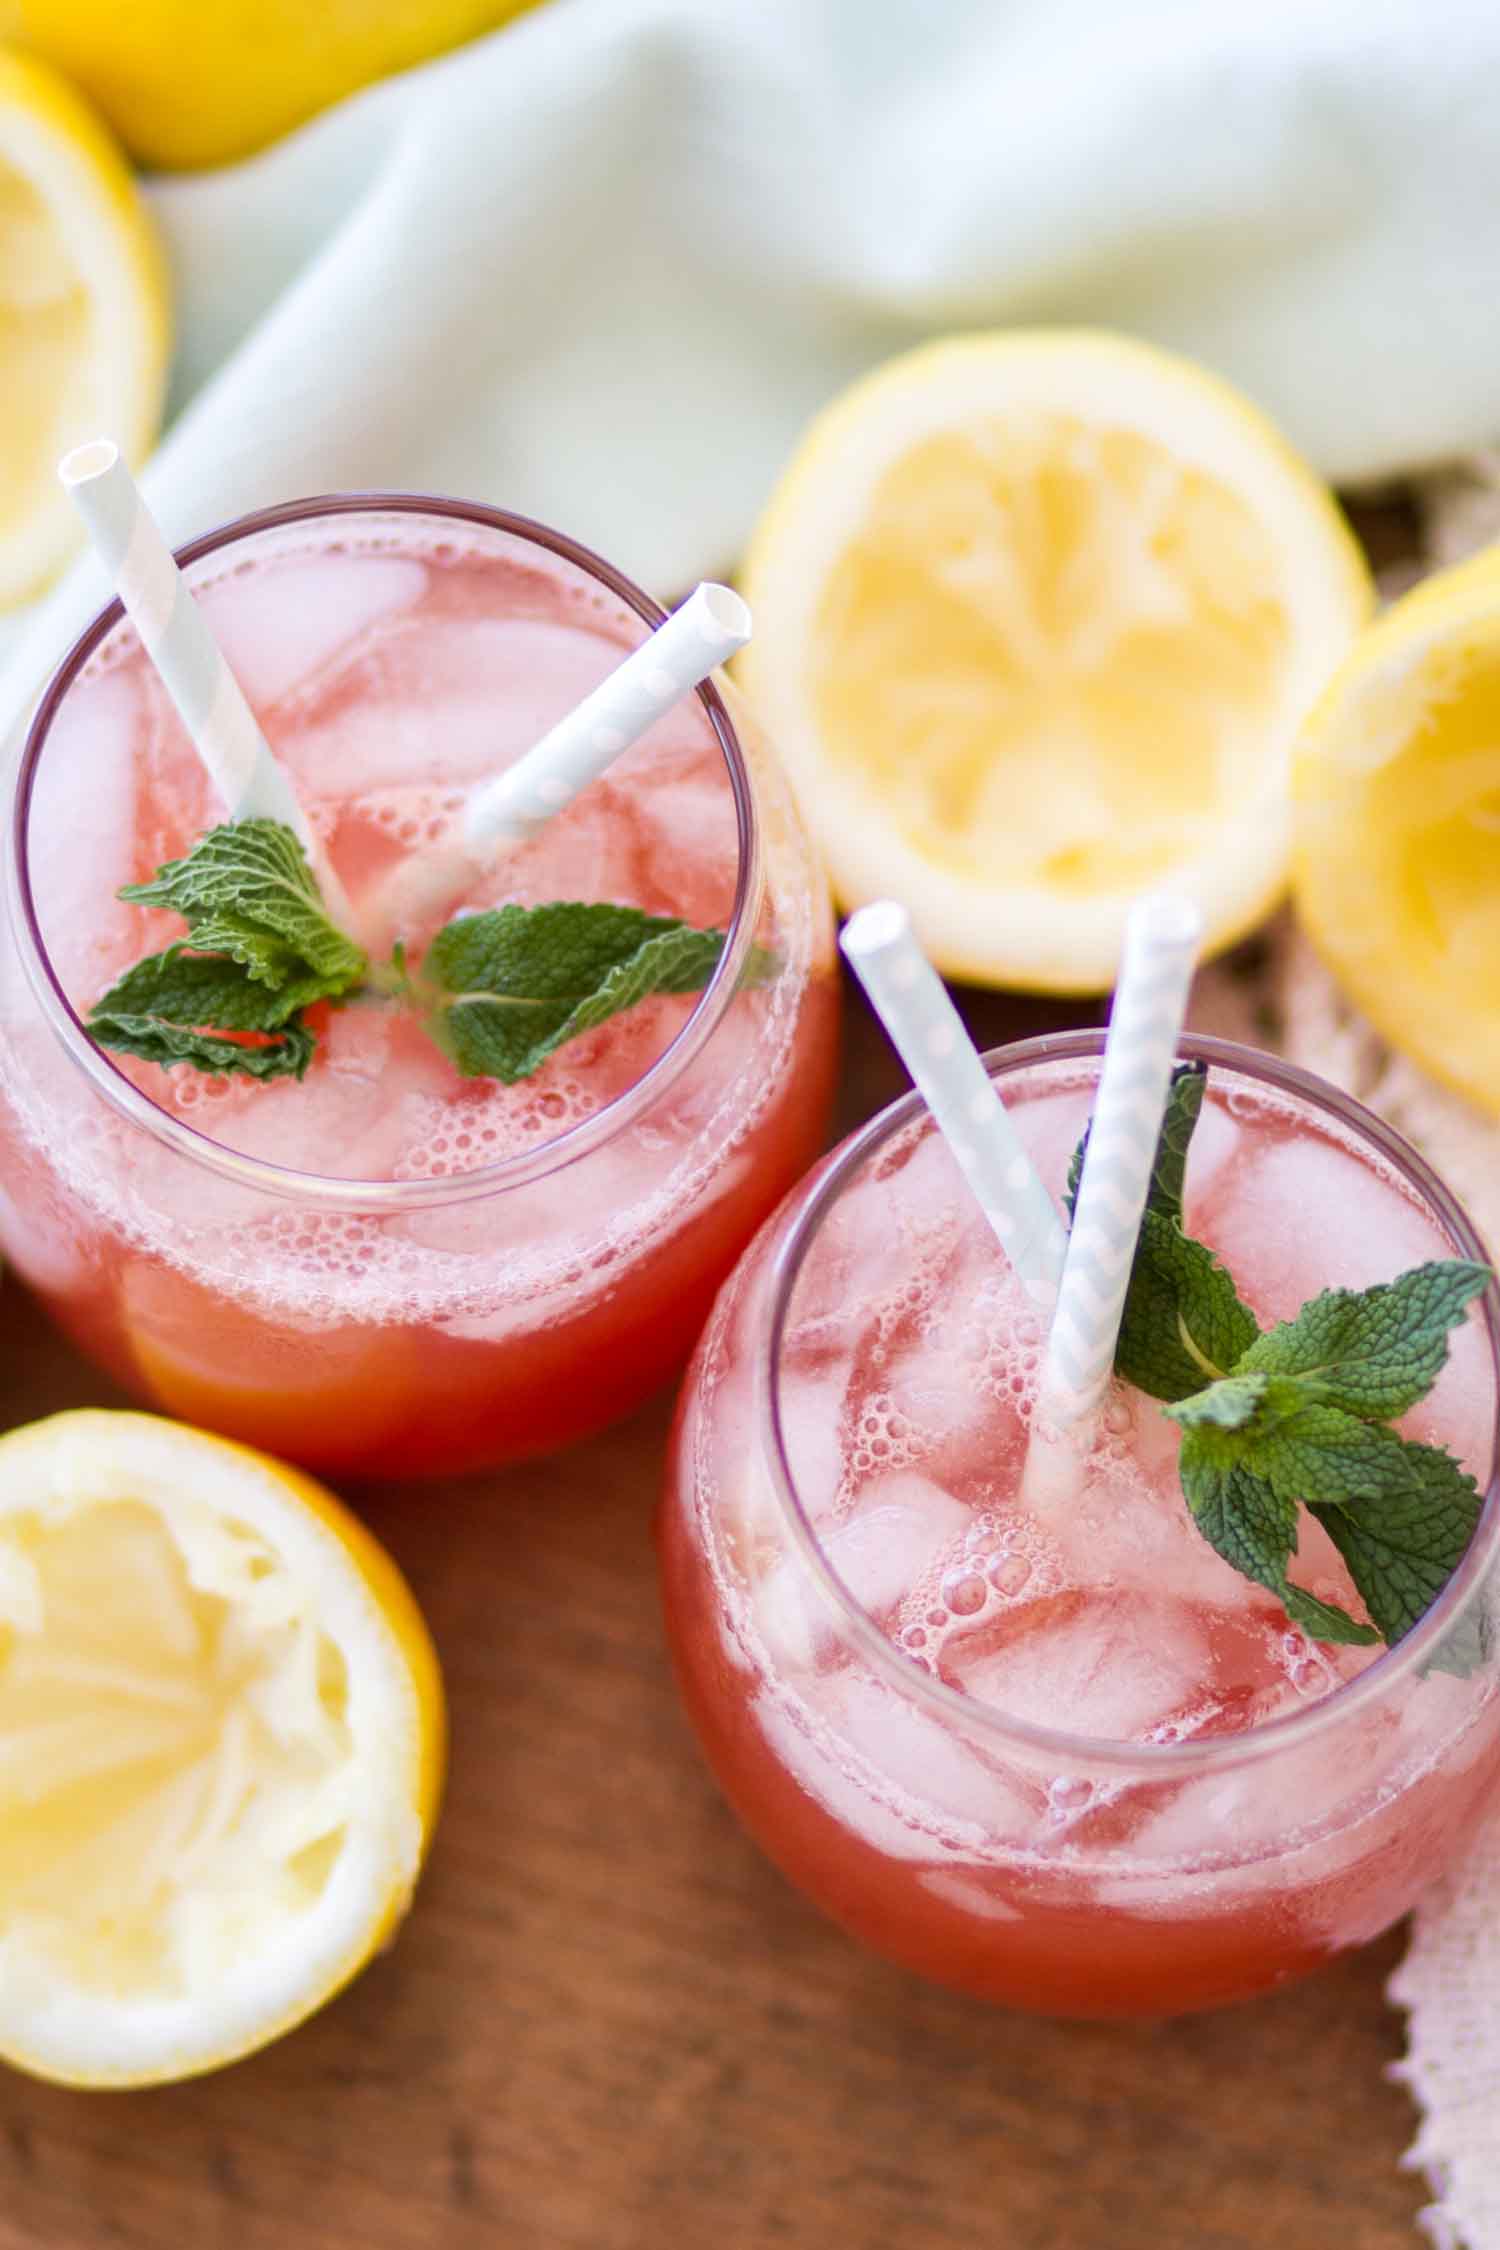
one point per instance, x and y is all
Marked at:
(1058, 1753)
(387, 1267)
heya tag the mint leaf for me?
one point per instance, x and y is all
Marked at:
(260, 949)
(1374, 1352)
(1242, 1519)
(246, 890)
(193, 989)
(512, 986)
(1318, 1453)
(1184, 1324)
(1405, 1535)
(1169, 1166)
(174, 1007)
(1325, 1621)
(1255, 1529)
(156, 1040)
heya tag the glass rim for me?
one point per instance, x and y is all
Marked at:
(1142, 1761)
(323, 1190)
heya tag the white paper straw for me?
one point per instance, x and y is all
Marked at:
(704, 633)
(924, 1027)
(685, 648)
(1161, 943)
(174, 633)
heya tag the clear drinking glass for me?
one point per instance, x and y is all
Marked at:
(1062, 1756)
(388, 1269)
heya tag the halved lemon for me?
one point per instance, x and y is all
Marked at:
(221, 1749)
(1037, 617)
(84, 321)
(1397, 863)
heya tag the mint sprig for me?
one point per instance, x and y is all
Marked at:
(498, 991)
(1298, 1416)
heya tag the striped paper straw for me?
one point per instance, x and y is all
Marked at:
(912, 1002)
(175, 635)
(704, 633)
(1161, 943)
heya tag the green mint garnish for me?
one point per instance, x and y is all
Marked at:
(159, 1008)
(260, 950)
(1298, 1416)
(499, 991)
(246, 890)
(511, 986)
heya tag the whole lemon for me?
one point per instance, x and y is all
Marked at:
(187, 84)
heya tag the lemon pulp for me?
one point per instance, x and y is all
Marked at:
(1040, 613)
(83, 311)
(173, 1761)
(1434, 819)
(1398, 857)
(47, 346)
(1022, 594)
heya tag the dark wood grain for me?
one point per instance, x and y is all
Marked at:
(608, 2024)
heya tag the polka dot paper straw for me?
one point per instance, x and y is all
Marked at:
(175, 635)
(923, 1025)
(704, 633)
(1161, 945)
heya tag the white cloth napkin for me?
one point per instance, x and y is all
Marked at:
(603, 265)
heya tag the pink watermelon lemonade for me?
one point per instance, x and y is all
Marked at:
(1060, 1754)
(387, 1267)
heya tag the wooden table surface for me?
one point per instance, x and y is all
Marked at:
(609, 2025)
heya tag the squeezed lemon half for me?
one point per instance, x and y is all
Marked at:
(1037, 618)
(221, 1749)
(1397, 866)
(84, 323)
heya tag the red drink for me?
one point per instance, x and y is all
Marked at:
(1057, 1752)
(387, 1267)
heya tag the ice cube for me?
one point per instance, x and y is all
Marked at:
(1301, 1215)
(689, 847)
(1084, 1664)
(812, 1422)
(1051, 1126)
(971, 1894)
(801, 1739)
(931, 1771)
(944, 1401)
(849, 1273)
(280, 627)
(82, 828)
(1459, 1410)
(444, 700)
(371, 1091)
(1216, 1149)
(1123, 1524)
(904, 1527)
